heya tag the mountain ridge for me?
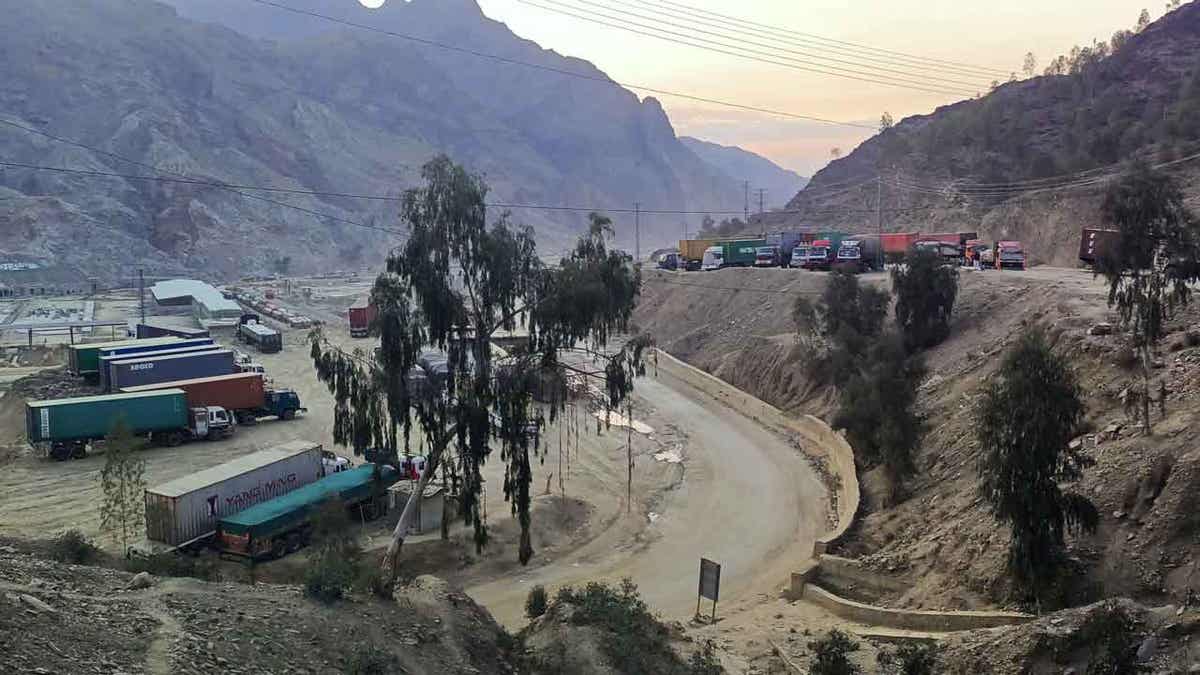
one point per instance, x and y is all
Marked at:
(743, 165)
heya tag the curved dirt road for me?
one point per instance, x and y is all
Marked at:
(747, 499)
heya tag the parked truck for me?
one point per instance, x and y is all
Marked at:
(861, 253)
(145, 331)
(691, 252)
(243, 394)
(84, 359)
(251, 331)
(184, 512)
(104, 378)
(284, 524)
(714, 258)
(1095, 244)
(362, 315)
(897, 244)
(63, 428)
(1011, 255)
(741, 252)
(786, 242)
(169, 368)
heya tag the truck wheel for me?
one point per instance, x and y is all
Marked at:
(294, 542)
(287, 414)
(175, 439)
(60, 452)
(278, 547)
(79, 451)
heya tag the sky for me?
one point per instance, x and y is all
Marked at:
(993, 35)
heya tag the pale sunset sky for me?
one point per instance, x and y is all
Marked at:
(989, 34)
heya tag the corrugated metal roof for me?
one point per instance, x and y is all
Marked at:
(235, 467)
(182, 291)
(108, 397)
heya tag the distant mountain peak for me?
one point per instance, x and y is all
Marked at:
(741, 165)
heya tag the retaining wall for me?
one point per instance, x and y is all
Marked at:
(918, 620)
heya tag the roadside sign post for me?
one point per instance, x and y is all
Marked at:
(710, 585)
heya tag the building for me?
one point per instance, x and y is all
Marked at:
(210, 307)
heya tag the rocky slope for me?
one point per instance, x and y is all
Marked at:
(742, 165)
(1136, 95)
(322, 107)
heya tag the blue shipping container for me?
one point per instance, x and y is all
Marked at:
(157, 369)
(105, 362)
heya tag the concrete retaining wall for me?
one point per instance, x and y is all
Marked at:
(842, 572)
(910, 619)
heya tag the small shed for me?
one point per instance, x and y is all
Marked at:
(429, 506)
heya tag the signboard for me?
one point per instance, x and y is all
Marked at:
(710, 584)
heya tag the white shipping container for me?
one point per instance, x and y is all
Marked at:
(188, 508)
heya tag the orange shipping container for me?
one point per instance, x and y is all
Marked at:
(898, 242)
(239, 391)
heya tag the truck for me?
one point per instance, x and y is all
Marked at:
(1094, 244)
(282, 525)
(767, 256)
(104, 375)
(169, 368)
(897, 244)
(362, 315)
(799, 257)
(252, 331)
(243, 394)
(786, 242)
(184, 512)
(1011, 255)
(63, 428)
(691, 253)
(151, 330)
(860, 252)
(741, 252)
(83, 360)
(714, 258)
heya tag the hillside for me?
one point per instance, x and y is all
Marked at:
(742, 165)
(969, 166)
(329, 108)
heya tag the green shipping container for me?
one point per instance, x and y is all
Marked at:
(92, 417)
(84, 359)
(741, 253)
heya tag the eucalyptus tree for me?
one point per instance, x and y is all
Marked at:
(454, 284)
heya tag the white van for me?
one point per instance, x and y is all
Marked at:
(714, 257)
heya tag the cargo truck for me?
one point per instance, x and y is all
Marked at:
(362, 315)
(714, 258)
(184, 512)
(1011, 255)
(252, 332)
(106, 359)
(1094, 244)
(860, 253)
(169, 368)
(896, 244)
(63, 428)
(741, 252)
(284, 524)
(84, 359)
(243, 394)
(691, 253)
(786, 243)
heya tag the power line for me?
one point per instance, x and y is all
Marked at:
(561, 71)
(831, 41)
(733, 50)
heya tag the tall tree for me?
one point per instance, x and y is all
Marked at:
(842, 323)
(886, 122)
(1029, 67)
(925, 289)
(1024, 423)
(452, 285)
(123, 482)
(1156, 258)
(1143, 21)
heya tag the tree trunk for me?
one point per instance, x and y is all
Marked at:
(391, 559)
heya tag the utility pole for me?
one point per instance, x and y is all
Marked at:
(879, 217)
(142, 293)
(746, 201)
(637, 232)
(762, 225)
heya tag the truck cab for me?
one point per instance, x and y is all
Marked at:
(283, 403)
(820, 254)
(1011, 255)
(334, 463)
(799, 256)
(211, 422)
(766, 256)
(714, 258)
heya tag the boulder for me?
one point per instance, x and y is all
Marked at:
(140, 580)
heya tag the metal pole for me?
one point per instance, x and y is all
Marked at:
(637, 232)
(142, 293)
(879, 218)
(746, 201)
(761, 222)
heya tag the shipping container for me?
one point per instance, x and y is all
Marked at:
(362, 314)
(84, 359)
(92, 417)
(237, 391)
(1095, 244)
(188, 508)
(280, 525)
(106, 360)
(898, 242)
(741, 252)
(691, 251)
(266, 339)
(155, 369)
(148, 330)
(861, 251)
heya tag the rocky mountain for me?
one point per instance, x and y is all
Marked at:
(742, 165)
(1030, 160)
(267, 97)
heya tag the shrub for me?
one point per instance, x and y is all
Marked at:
(1192, 338)
(908, 660)
(370, 579)
(72, 546)
(831, 655)
(535, 604)
(328, 577)
(333, 567)
(925, 290)
(704, 661)
(174, 565)
(1112, 643)
(371, 660)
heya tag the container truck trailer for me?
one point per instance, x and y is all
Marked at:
(284, 524)
(786, 242)
(243, 394)
(691, 252)
(361, 316)
(145, 331)
(104, 378)
(1094, 244)
(741, 252)
(84, 359)
(1011, 255)
(861, 253)
(252, 332)
(63, 428)
(170, 368)
(184, 512)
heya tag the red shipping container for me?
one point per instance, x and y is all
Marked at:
(239, 391)
(898, 242)
(361, 317)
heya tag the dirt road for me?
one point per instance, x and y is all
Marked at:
(747, 499)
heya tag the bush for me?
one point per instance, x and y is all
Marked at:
(73, 546)
(1109, 634)
(925, 290)
(174, 565)
(370, 579)
(704, 661)
(333, 567)
(371, 660)
(328, 577)
(1192, 338)
(908, 660)
(535, 604)
(831, 655)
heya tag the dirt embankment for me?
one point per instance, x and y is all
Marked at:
(940, 540)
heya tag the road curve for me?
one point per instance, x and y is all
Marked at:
(748, 499)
